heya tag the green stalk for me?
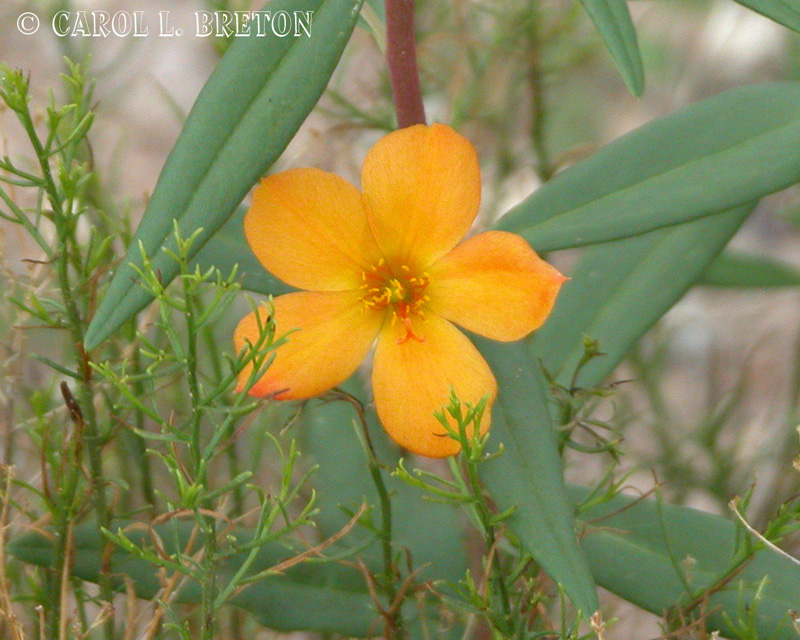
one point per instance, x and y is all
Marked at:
(394, 627)
(485, 517)
(394, 624)
(92, 438)
(85, 399)
(69, 473)
(209, 587)
(471, 486)
(230, 451)
(140, 446)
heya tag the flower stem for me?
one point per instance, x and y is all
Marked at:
(394, 622)
(498, 598)
(485, 516)
(138, 443)
(401, 56)
(207, 522)
(394, 628)
(64, 221)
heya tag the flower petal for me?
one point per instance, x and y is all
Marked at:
(422, 189)
(335, 334)
(494, 284)
(308, 228)
(412, 379)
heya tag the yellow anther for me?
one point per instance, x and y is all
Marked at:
(398, 289)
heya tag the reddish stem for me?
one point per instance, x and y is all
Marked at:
(401, 55)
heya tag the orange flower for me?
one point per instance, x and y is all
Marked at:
(385, 264)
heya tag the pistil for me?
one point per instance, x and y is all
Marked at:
(399, 289)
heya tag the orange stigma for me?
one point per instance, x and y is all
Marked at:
(398, 288)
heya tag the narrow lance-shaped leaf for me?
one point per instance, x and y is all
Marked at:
(786, 12)
(740, 270)
(731, 269)
(246, 114)
(637, 549)
(616, 293)
(613, 21)
(620, 289)
(661, 556)
(709, 157)
(328, 597)
(528, 476)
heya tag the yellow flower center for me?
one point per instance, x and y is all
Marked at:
(398, 288)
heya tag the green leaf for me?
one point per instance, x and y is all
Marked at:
(739, 270)
(710, 157)
(786, 12)
(333, 596)
(431, 531)
(228, 248)
(314, 596)
(246, 114)
(620, 289)
(637, 549)
(613, 21)
(647, 552)
(528, 476)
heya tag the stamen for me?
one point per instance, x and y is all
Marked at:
(399, 288)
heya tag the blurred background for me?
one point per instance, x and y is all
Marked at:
(708, 402)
